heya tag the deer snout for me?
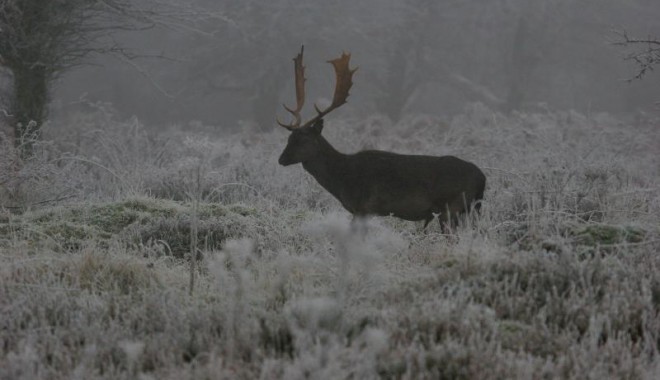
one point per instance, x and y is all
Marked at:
(285, 160)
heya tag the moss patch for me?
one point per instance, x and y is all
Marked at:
(602, 234)
(134, 221)
(97, 273)
(69, 235)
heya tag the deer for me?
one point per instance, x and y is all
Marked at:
(374, 182)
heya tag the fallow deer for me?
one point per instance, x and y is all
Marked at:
(373, 182)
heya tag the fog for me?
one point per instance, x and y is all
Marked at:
(164, 227)
(414, 56)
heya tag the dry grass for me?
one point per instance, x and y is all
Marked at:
(558, 278)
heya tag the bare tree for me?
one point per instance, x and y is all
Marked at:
(247, 63)
(406, 67)
(41, 39)
(645, 52)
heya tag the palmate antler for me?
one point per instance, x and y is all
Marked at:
(300, 92)
(343, 83)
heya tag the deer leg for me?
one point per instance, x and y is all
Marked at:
(359, 224)
(423, 230)
(427, 221)
(449, 219)
(446, 227)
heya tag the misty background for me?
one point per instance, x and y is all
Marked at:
(414, 56)
(149, 232)
(122, 84)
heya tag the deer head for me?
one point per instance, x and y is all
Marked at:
(305, 141)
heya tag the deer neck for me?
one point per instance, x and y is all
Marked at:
(328, 167)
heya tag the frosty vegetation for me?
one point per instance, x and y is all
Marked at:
(557, 278)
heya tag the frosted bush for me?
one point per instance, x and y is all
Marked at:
(555, 278)
(310, 317)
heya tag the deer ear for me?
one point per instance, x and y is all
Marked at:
(318, 126)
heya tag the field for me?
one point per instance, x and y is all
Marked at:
(558, 277)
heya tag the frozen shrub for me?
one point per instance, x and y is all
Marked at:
(556, 278)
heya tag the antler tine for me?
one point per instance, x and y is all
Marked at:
(343, 84)
(299, 69)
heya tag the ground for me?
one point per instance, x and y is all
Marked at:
(556, 278)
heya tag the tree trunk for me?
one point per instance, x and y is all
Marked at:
(400, 82)
(266, 99)
(394, 97)
(28, 108)
(525, 58)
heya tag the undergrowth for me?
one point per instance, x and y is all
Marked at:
(556, 278)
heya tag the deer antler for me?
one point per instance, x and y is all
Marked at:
(343, 84)
(300, 92)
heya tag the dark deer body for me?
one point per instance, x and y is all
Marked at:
(410, 187)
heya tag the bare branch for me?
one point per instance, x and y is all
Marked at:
(145, 73)
(41, 39)
(645, 54)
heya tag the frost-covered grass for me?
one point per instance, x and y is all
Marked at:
(558, 277)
